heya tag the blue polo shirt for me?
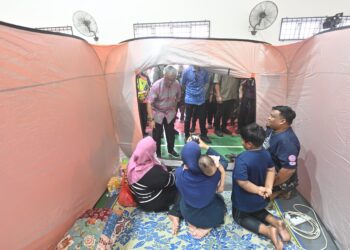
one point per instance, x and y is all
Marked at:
(194, 82)
(250, 166)
(284, 148)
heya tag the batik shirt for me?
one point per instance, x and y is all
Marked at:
(164, 100)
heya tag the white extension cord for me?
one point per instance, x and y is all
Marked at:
(295, 218)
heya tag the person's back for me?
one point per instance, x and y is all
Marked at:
(252, 166)
(199, 204)
(229, 88)
(247, 110)
(151, 184)
(252, 182)
(156, 190)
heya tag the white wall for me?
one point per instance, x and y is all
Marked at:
(115, 19)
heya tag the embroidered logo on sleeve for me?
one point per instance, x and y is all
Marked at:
(292, 160)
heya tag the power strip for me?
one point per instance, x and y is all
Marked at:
(297, 217)
(297, 220)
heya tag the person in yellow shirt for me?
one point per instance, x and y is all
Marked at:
(142, 87)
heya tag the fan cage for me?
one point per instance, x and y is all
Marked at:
(85, 24)
(300, 28)
(267, 8)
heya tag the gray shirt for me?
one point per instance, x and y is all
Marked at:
(229, 87)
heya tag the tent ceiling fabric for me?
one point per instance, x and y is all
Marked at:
(244, 59)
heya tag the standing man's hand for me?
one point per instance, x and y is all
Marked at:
(203, 145)
(219, 99)
(150, 117)
(152, 124)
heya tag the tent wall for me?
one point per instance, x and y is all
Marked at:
(60, 98)
(244, 59)
(319, 90)
(57, 146)
(289, 51)
(103, 53)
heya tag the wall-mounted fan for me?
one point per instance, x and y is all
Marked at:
(85, 24)
(262, 16)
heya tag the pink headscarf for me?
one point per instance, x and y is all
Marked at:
(143, 159)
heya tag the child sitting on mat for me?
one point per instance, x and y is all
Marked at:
(209, 164)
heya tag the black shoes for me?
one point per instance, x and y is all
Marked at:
(226, 131)
(205, 139)
(173, 153)
(231, 157)
(186, 138)
(192, 130)
(219, 133)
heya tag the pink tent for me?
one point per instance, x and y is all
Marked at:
(67, 107)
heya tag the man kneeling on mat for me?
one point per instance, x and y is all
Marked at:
(252, 182)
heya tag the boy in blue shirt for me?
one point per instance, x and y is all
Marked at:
(252, 182)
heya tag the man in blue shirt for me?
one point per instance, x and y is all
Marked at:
(194, 80)
(284, 147)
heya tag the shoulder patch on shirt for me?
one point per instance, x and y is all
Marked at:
(292, 158)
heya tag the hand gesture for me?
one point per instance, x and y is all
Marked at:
(261, 191)
(268, 192)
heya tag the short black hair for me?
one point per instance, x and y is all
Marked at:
(254, 134)
(286, 112)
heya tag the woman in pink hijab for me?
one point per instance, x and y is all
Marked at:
(152, 185)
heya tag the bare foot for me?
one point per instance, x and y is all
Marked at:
(275, 238)
(175, 223)
(192, 229)
(200, 232)
(282, 231)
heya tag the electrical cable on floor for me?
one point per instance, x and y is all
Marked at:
(297, 215)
